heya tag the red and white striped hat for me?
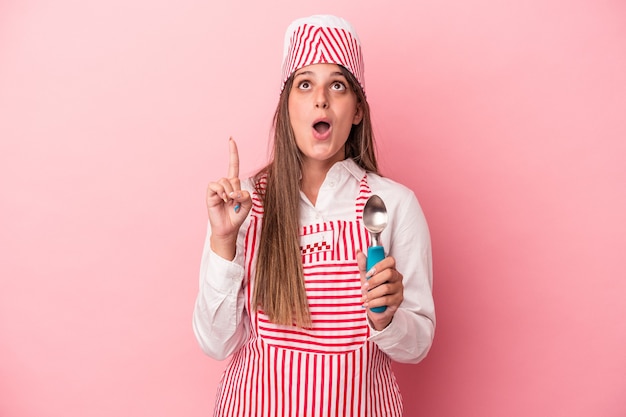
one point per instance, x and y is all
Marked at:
(322, 39)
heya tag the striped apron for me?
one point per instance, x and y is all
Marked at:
(330, 369)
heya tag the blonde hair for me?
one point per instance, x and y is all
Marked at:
(279, 281)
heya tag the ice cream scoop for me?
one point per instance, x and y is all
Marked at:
(375, 220)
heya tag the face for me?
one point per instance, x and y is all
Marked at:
(322, 110)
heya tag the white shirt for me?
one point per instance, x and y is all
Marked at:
(219, 320)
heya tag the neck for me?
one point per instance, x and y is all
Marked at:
(313, 175)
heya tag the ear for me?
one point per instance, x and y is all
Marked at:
(358, 116)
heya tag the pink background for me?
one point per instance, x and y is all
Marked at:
(508, 119)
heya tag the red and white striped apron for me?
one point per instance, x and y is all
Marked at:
(328, 370)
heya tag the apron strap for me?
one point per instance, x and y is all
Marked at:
(364, 193)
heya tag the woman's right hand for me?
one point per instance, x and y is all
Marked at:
(228, 206)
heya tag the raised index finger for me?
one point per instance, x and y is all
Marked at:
(233, 162)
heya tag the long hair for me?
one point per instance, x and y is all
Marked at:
(279, 281)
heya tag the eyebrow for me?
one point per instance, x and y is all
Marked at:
(336, 73)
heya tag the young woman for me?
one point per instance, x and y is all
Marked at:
(283, 285)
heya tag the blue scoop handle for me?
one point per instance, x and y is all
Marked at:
(375, 254)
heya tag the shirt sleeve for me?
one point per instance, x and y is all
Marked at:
(219, 317)
(409, 336)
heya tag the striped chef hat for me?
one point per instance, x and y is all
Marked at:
(322, 39)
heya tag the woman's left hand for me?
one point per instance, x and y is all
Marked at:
(381, 286)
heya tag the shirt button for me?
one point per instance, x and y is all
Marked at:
(331, 184)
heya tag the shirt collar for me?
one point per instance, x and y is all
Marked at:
(349, 165)
(346, 166)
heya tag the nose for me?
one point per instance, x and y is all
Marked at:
(321, 100)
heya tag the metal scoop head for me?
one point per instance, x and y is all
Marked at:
(375, 218)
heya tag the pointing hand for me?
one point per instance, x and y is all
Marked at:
(228, 206)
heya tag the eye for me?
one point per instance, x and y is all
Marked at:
(338, 86)
(304, 85)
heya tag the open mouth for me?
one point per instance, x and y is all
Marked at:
(321, 127)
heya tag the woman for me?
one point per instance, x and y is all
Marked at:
(283, 285)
